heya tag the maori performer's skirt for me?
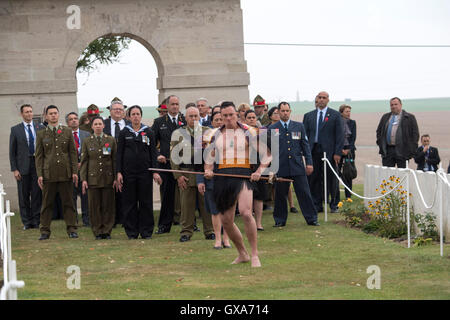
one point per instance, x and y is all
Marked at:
(226, 189)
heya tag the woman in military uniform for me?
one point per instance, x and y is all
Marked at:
(98, 162)
(136, 153)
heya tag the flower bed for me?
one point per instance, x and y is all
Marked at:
(387, 217)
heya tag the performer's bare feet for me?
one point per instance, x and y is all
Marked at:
(255, 262)
(241, 259)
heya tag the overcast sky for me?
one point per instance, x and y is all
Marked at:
(282, 72)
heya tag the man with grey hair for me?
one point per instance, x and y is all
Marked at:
(113, 126)
(78, 137)
(202, 106)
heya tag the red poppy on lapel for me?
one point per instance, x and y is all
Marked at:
(59, 131)
(180, 123)
(142, 133)
(326, 119)
(106, 145)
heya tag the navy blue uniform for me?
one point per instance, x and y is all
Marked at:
(135, 154)
(293, 145)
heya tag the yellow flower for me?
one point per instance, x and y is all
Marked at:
(383, 191)
(378, 213)
(349, 200)
(340, 204)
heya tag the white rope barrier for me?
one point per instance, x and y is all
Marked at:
(357, 195)
(441, 180)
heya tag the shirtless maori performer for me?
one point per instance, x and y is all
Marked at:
(231, 153)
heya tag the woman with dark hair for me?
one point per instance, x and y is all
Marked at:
(348, 152)
(260, 191)
(274, 115)
(136, 152)
(222, 241)
(97, 173)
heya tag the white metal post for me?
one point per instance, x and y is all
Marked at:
(325, 194)
(408, 222)
(441, 218)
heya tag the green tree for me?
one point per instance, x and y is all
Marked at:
(105, 50)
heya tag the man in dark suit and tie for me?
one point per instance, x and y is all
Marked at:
(293, 145)
(113, 126)
(325, 132)
(203, 107)
(427, 157)
(78, 137)
(163, 128)
(22, 147)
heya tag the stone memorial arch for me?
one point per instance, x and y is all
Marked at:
(197, 46)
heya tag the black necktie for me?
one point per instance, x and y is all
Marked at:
(285, 126)
(30, 140)
(174, 121)
(116, 131)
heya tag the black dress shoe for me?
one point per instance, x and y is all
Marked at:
(334, 210)
(73, 235)
(162, 230)
(196, 229)
(176, 223)
(107, 236)
(98, 237)
(184, 238)
(44, 236)
(294, 210)
(146, 237)
(315, 223)
(211, 236)
(26, 227)
(279, 224)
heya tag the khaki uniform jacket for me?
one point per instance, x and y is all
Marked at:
(87, 127)
(98, 161)
(56, 154)
(185, 140)
(265, 120)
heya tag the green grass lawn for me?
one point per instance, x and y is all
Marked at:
(298, 262)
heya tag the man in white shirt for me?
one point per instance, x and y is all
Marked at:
(22, 147)
(78, 137)
(202, 106)
(116, 123)
(113, 126)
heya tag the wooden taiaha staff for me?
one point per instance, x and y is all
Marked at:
(269, 179)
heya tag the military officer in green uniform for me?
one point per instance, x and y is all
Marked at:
(98, 164)
(92, 112)
(184, 138)
(57, 168)
(259, 104)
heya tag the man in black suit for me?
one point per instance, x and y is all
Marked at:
(427, 157)
(397, 135)
(324, 129)
(113, 125)
(22, 147)
(293, 145)
(203, 107)
(163, 128)
(78, 137)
